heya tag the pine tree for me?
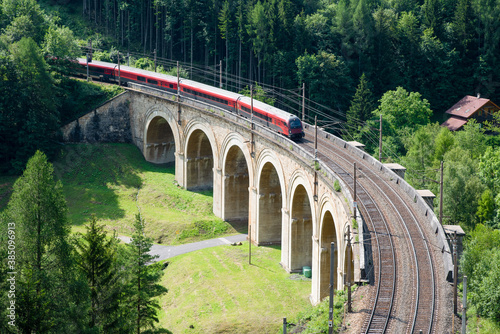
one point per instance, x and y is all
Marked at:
(362, 105)
(38, 210)
(96, 258)
(145, 276)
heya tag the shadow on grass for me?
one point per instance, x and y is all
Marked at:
(240, 225)
(92, 174)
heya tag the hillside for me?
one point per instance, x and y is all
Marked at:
(113, 181)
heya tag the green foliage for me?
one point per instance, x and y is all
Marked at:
(144, 279)
(472, 139)
(78, 97)
(97, 260)
(258, 94)
(362, 105)
(463, 188)
(420, 155)
(207, 229)
(486, 207)
(60, 42)
(336, 185)
(443, 143)
(45, 277)
(481, 263)
(489, 169)
(326, 78)
(401, 109)
(144, 63)
(315, 318)
(34, 108)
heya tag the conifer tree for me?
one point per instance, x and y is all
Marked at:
(145, 276)
(361, 106)
(96, 258)
(38, 210)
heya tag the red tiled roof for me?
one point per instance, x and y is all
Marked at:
(468, 106)
(454, 123)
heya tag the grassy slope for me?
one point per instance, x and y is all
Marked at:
(113, 181)
(214, 289)
(217, 291)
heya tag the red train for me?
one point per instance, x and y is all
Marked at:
(274, 118)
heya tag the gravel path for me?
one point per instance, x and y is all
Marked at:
(166, 252)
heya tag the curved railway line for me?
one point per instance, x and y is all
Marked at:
(403, 259)
(406, 265)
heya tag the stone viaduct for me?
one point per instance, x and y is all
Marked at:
(257, 176)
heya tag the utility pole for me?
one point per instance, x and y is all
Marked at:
(154, 52)
(441, 196)
(316, 163)
(284, 325)
(128, 58)
(380, 141)
(119, 76)
(455, 273)
(87, 66)
(252, 143)
(349, 303)
(464, 308)
(303, 101)
(178, 95)
(249, 242)
(355, 206)
(332, 267)
(315, 138)
(220, 79)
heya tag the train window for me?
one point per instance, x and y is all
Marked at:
(295, 123)
(98, 70)
(141, 78)
(154, 82)
(171, 86)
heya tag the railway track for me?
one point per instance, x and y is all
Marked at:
(405, 297)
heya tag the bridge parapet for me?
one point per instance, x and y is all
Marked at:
(421, 204)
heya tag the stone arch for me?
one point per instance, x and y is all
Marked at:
(328, 234)
(271, 198)
(161, 136)
(237, 178)
(200, 156)
(301, 224)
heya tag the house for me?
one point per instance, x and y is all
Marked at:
(470, 107)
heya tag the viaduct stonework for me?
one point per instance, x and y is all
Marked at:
(257, 176)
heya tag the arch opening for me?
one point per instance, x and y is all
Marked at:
(160, 143)
(199, 162)
(236, 184)
(301, 230)
(270, 203)
(328, 235)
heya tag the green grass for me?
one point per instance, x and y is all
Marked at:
(113, 181)
(216, 291)
(479, 325)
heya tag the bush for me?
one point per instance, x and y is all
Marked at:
(336, 185)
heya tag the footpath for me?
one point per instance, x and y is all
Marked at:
(166, 252)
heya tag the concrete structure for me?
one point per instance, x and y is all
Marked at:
(428, 197)
(257, 176)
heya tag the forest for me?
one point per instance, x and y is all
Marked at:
(442, 49)
(407, 60)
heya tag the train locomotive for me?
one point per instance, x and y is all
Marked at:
(264, 114)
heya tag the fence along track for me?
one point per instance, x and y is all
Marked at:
(424, 303)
